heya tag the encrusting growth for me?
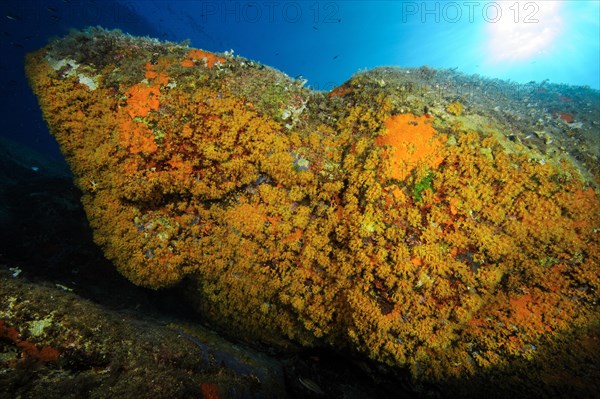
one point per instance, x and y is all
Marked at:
(368, 228)
(412, 141)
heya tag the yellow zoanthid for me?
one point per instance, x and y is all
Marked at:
(359, 227)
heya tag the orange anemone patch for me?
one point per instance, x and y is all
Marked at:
(412, 142)
(141, 100)
(341, 91)
(187, 63)
(195, 55)
(566, 117)
(137, 137)
(158, 78)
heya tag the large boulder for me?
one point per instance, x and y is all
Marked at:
(420, 229)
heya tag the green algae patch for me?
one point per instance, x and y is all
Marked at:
(36, 327)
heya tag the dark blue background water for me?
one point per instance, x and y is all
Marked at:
(323, 41)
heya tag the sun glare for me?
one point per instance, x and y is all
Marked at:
(521, 30)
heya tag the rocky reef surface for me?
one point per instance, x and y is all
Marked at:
(436, 224)
(72, 327)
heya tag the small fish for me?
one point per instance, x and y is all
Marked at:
(64, 287)
(335, 57)
(311, 385)
(13, 17)
(315, 28)
(51, 9)
(15, 271)
(55, 17)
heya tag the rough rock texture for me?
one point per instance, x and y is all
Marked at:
(381, 218)
(56, 288)
(55, 345)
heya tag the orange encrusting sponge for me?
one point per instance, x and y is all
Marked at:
(412, 140)
(195, 55)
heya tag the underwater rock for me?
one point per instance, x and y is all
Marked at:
(375, 219)
(47, 251)
(54, 344)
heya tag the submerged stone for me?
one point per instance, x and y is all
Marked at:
(289, 213)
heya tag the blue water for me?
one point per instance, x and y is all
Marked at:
(325, 42)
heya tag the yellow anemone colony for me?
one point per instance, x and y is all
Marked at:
(435, 250)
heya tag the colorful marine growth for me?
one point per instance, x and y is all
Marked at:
(351, 220)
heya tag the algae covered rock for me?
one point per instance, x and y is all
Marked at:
(368, 219)
(54, 344)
